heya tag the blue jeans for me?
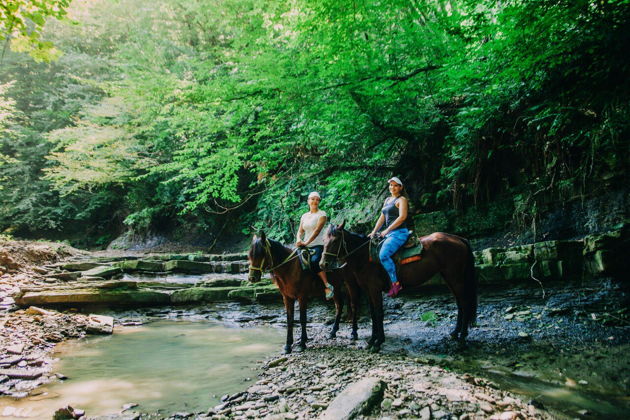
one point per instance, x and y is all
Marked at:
(392, 243)
(316, 255)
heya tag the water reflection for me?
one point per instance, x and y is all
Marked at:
(175, 366)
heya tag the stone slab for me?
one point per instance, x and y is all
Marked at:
(189, 267)
(100, 324)
(80, 266)
(102, 271)
(22, 373)
(90, 296)
(201, 295)
(357, 399)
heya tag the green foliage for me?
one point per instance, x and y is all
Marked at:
(21, 24)
(234, 113)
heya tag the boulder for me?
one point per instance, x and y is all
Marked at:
(357, 399)
(100, 324)
(189, 267)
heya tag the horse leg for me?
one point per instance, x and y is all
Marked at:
(303, 337)
(379, 317)
(463, 318)
(372, 338)
(448, 279)
(458, 326)
(338, 298)
(289, 306)
(354, 307)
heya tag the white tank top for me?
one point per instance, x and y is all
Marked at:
(309, 223)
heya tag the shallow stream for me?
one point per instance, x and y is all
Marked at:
(164, 366)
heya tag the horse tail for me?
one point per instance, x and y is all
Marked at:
(470, 284)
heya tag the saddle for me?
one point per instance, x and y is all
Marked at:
(304, 256)
(411, 251)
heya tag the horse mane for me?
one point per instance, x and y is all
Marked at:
(278, 251)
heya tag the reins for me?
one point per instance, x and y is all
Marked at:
(267, 248)
(343, 244)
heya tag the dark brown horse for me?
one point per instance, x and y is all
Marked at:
(449, 255)
(297, 284)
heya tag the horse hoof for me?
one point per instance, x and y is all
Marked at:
(354, 336)
(332, 335)
(287, 349)
(454, 335)
(375, 349)
(302, 347)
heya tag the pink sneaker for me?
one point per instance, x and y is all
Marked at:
(394, 290)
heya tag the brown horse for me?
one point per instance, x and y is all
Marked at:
(443, 253)
(297, 284)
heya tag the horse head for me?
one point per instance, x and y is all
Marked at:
(259, 257)
(334, 245)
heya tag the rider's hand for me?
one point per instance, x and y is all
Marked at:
(300, 244)
(383, 233)
(371, 235)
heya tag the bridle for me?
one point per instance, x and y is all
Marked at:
(344, 246)
(267, 249)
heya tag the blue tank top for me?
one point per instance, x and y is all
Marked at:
(391, 213)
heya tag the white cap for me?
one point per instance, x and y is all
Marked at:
(314, 194)
(396, 180)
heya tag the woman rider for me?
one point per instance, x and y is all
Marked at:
(310, 234)
(393, 216)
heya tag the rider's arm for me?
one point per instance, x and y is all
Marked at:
(403, 206)
(300, 232)
(320, 225)
(379, 223)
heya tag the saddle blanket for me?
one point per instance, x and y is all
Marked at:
(411, 251)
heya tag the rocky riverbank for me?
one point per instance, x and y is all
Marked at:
(533, 340)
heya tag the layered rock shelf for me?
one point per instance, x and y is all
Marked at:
(222, 277)
(104, 281)
(602, 255)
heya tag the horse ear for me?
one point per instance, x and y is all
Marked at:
(263, 237)
(343, 223)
